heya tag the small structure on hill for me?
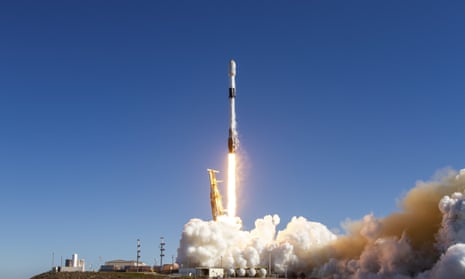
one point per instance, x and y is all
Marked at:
(205, 272)
(123, 265)
(72, 265)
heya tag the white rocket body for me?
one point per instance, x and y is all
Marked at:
(232, 139)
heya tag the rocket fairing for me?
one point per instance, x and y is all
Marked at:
(232, 138)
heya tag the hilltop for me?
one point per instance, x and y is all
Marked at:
(98, 275)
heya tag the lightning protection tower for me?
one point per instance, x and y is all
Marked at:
(162, 251)
(138, 254)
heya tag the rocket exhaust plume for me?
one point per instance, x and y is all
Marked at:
(424, 240)
(232, 141)
(232, 185)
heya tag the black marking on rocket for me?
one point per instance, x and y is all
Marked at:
(232, 92)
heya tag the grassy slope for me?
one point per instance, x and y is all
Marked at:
(97, 275)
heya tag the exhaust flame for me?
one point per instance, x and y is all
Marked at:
(231, 185)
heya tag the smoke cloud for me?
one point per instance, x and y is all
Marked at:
(424, 240)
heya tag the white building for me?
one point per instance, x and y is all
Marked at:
(206, 272)
(74, 264)
(122, 265)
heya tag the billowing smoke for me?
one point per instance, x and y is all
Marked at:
(424, 240)
(223, 243)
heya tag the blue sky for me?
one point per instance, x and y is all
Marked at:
(111, 112)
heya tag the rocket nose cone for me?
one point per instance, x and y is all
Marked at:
(232, 68)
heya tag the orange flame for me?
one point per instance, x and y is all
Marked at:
(231, 185)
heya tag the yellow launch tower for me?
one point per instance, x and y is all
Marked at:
(215, 196)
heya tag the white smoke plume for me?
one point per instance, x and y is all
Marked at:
(223, 243)
(424, 240)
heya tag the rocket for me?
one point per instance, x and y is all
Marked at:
(232, 138)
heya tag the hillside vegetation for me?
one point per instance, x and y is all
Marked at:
(98, 275)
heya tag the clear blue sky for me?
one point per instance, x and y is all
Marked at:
(111, 112)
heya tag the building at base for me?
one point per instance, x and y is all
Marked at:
(128, 266)
(72, 265)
